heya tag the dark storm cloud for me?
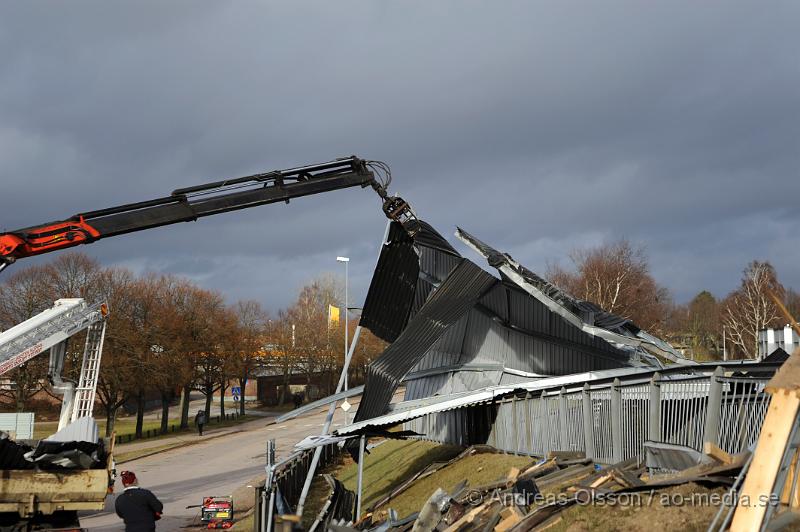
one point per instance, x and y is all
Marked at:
(539, 127)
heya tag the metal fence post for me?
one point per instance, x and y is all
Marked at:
(711, 429)
(563, 422)
(514, 424)
(654, 426)
(269, 489)
(528, 424)
(616, 422)
(361, 446)
(588, 422)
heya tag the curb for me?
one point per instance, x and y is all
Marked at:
(183, 444)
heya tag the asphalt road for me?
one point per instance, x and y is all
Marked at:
(181, 477)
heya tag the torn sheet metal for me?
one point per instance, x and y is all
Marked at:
(674, 457)
(452, 300)
(311, 442)
(319, 403)
(82, 429)
(407, 270)
(339, 508)
(583, 314)
(394, 282)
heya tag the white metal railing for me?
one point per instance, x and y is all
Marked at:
(610, 422)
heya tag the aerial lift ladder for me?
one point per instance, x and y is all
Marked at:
(51, 329)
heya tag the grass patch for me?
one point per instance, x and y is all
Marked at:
(391, 464)
(477, 469)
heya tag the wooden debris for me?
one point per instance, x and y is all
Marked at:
(566, 455)
(571, 474)
(539, 470)
(513, 474)
(510, 516)
(781, 418)
(601, 480)
(466, 522)
(541, 515)
(286, 523)
(717, 454)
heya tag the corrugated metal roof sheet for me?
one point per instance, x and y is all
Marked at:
(453, 299)
(581, 314)
(391, 292)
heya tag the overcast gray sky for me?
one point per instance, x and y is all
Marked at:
(537, 126)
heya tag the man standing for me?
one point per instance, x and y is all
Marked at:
(200, 420)
(138, 507)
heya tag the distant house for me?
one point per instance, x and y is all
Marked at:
(770, 340)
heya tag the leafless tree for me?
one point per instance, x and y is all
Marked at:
(616, 277)
(249, 345)
(117, 369)
(750, 308)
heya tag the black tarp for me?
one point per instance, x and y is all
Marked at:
(51, 455)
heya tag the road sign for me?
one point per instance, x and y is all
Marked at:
(235, 398)
(236, 390)
(345, 405)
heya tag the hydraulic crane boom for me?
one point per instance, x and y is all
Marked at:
(189, 204)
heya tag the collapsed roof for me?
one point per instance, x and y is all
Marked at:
(459, 328)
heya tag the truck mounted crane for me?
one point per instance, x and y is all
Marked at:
(189, 204)
(26, 496)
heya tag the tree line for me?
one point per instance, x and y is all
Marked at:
(166, 337)
(617, 277)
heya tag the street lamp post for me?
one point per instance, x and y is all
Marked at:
(346, 261)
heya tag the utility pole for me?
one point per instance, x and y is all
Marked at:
(346, 261)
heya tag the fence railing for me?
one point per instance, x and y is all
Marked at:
(281, 492)
(611, 421)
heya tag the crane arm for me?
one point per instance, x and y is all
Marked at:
(189, 204)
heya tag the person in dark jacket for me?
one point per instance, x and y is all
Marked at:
(200, 420)
(137, 507)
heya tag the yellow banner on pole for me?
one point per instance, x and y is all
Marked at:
(333, 316)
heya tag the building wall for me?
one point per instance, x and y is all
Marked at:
(771, 339)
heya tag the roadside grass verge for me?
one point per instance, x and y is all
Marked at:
(125, 427)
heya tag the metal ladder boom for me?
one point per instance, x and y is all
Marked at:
(90, 371)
